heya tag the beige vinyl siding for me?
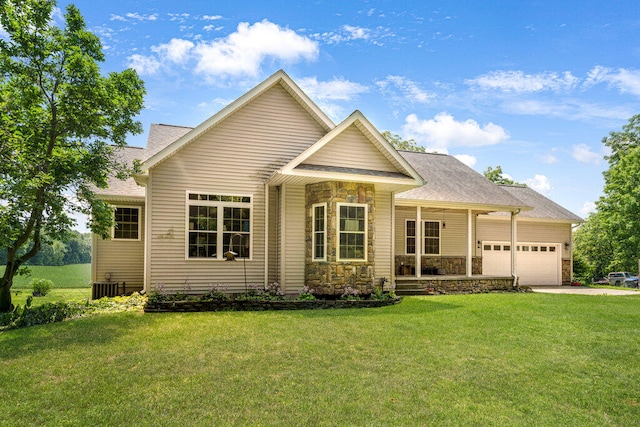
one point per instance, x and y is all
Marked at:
(453, 237)
(274, 234)
(528, 231)
(234, 158)
(383, 235)
(293, 237)
(353, 150)
(124, 259)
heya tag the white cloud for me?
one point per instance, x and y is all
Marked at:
(134, 16)
(211, 17)
(625, 80)
(540, 183)
(212, 27)
(177, 50)
(467, 159)
(583, 154)
(409, 90)
(336, 89)
(144, 64)
(346, 33)
(242, 52)
(444, 131)
(568, 109)
(519, 82)
(548, 158)
(587, 208)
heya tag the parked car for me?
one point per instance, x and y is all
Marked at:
(623, 278)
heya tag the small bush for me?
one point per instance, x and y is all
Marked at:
(307, 294)
(41, 287)
(350, 294)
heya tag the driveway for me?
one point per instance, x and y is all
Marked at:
(581, 290)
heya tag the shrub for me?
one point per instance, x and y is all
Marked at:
(271, 292)
(216, 293)
(307, 294)
(350, 294)
(41, 287)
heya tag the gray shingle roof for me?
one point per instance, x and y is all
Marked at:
(543, 208)
(159, 137)
(451, 181)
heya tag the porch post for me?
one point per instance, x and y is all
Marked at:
(469, 243)
(514, 241)
(419, 240)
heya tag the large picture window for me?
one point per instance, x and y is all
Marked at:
(432, 238)
(217, 224)
(127, 223)
(319, 221)
(352, 231)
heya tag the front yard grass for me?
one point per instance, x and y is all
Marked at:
(499, 359)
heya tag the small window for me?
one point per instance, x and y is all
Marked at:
(525, 249)
(517, 248)
(552, 248)
(487, 247)
(534, 249)
(507, 248)
(543, 249)
(410, 233)
(496, 247)
(319, 221)
(127, 224)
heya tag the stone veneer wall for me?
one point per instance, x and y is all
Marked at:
(566, 272)
(456, 266)
(331, 277)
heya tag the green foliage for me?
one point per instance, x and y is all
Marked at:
(271, 292)
(41, 287)
(60, 123)
(306, 294)
(51, 312)
(350, 294)
(398, 143)
(610, 239)
(379, 294)
(497, 176)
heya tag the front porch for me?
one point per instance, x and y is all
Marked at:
(452, 284)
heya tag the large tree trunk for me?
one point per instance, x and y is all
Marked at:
(5, 295)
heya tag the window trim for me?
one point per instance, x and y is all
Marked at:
(314, 232)
(424, 236)
(220, 221)
(365, 206)
(407, 237)
(113, 228)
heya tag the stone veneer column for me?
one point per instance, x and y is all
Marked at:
(331, 277)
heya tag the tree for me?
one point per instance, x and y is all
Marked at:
(61, 121)
(400, 144)
(496, 175)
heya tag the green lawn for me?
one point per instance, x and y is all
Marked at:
(489, 359)
(65, 276)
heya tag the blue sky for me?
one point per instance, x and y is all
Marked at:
(532, 86)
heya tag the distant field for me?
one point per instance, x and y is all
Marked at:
(65, 276)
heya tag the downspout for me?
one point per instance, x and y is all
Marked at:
(514, 247)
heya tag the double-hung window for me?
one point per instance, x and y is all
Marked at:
(431, 238)
(352, 231)
(217, 224)
(319, 221)
(410, 233)
(127, 223)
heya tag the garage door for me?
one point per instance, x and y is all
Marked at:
(536, 263)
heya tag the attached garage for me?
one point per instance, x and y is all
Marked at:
(536, 263)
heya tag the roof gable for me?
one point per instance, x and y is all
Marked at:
(279, 78)
(369, 154)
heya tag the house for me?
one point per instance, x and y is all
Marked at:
(273, 183)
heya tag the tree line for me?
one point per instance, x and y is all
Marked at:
(74, 250)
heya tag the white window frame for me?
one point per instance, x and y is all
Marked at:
(366, 231)
(220, 205)
(407, 237)
(113, 228)
(315, 232)
(424, 237)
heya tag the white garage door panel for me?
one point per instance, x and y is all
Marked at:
(536, 264)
